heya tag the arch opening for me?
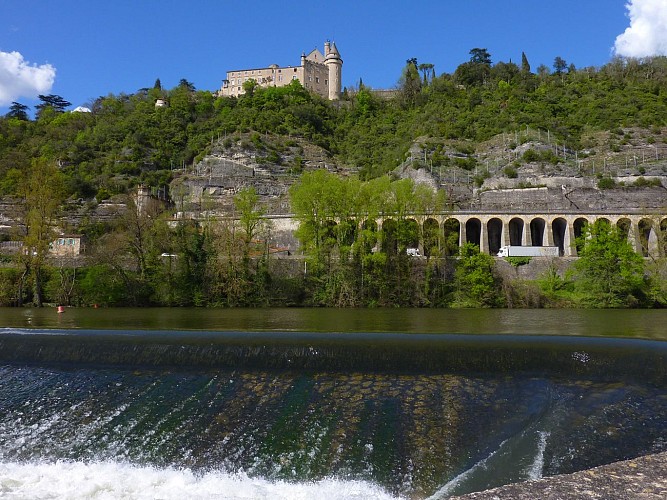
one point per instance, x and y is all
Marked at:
(368, 236)
(516, 231)
(408, 234)
(494, 231)
(537, 227)
(431, 238)
(559, 229)
(579, 227)
(389, 237)
(623, 225)
(646, 235)
(474, 231)
(451, 231)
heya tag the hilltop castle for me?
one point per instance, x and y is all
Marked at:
(319, 73)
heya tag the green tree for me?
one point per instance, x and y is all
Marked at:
(480, 56)
(608, 273)
(249, 87)
(427, 70)
(477, 70)
(410, 83)
(525, 65)
(53, 102)
(18, 111)
(474, 282)
(246, 203)
(189, 86)
(43, 192)
(560, 65)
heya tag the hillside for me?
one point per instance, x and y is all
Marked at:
(491, 137)
(485, 127)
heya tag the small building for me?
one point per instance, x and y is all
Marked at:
(67, 245)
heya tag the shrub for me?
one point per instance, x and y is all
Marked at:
(606, 183)
(530, 156)
(510, 172)
(518, 261)
(644, 182)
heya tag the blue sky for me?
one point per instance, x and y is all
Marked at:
(84, 49)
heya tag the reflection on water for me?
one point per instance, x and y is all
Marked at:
(649, 324)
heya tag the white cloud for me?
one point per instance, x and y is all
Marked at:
(19, 78)
(647, 33)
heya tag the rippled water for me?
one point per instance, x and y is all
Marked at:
(269, 413)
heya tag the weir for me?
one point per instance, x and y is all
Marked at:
(597, 358)
(407, 415)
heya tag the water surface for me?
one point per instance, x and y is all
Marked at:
(307, 403)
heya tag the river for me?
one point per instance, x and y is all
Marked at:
(307, 403)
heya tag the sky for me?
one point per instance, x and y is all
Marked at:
(81, 50)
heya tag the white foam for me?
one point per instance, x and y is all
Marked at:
(535, 470)
(111, 480)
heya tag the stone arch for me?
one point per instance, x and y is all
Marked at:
(431, 238)
(347, 231)
(389, 236)
(537, 228)
(451, 231)
(648, 240)
(560, 236)
(408, 233)
(578, 227)
(604, 220)
(329, 229)
(516, 230)
(474, 231)
(623, 225)
(369, 235)
(494, 228)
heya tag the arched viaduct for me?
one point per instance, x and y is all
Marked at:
(493, 230)
(647, 233)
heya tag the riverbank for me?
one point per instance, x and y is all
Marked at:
(643, 478)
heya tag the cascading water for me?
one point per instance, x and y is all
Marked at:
(99, 414)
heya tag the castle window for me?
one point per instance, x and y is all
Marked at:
(317, 79)
(295, 70)
(294, 77)
(326, 82)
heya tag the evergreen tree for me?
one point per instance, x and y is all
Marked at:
(525, 65)
(53, 102)
(559, 65)
(18, 111)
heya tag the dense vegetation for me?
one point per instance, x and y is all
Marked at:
(126, 139)
(139, 259)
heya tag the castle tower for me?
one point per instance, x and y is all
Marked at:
(335, 64)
